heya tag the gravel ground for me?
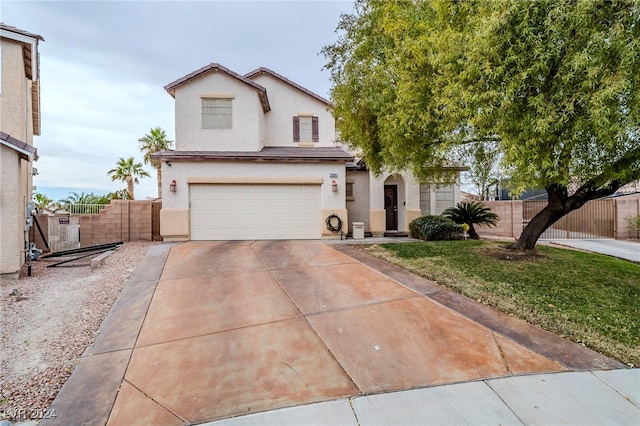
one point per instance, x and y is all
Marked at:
(48, 320)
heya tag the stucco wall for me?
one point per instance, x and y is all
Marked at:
(408, 196)
(287, 102)
(181, 171)
(11, 222)
(175, 204)
(358, 208)
(15, 100)
(16, 178)
(246, 133)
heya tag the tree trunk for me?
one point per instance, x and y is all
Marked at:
(536, 227)
(159, 178)
(560, 204)
(130, 187)
(473, 234)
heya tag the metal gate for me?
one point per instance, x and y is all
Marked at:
(596, 219)
(64, 233)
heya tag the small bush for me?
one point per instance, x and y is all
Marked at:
(634, 223)
(433, 228)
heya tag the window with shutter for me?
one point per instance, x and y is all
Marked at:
(296, 129)
(305, 129)
(314, 130)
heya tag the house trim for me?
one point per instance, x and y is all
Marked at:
(255, 180)
(281, 154)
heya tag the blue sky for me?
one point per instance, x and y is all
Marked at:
(103, 66)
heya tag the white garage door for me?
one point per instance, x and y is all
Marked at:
(254, 212)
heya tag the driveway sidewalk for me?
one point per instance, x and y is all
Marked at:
(206, 331)
(617, 248)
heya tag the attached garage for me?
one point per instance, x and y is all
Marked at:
(255, 211)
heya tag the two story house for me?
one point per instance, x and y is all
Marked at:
(256, 158)
(19, 122)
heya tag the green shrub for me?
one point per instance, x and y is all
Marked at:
(634, 223)
(434, 228)
(469, 213)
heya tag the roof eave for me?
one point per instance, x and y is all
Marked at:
(26, 151)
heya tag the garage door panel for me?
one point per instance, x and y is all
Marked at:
(244, 212)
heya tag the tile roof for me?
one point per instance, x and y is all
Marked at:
(13, 29)
(273, 153)
(25, 150)
(263, 70)
(262, 92)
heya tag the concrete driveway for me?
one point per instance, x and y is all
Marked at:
(212, 330)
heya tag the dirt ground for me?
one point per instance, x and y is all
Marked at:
(48, 320)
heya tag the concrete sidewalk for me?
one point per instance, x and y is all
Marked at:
(573, 398)
(304, 333)
(617, 248)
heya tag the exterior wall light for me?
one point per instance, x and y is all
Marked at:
(172, 186)
(334, 186)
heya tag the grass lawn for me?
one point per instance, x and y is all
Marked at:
(591, 299)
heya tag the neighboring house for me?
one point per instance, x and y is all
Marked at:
(256, 158)
(19, 122)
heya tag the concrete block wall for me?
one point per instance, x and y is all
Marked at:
(626, 207)
(510, 223)
(122, 220)
(34, 234)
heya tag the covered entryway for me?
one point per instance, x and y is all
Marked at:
(254, 211)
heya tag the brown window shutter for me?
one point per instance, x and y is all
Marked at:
(296, 129)
(315, 137)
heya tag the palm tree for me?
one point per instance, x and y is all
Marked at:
(121, 194)
(41, 201)
(128, 171)
(155, 141)
(470, 213)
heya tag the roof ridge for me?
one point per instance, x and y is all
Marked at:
(262, 91)
(290, 82)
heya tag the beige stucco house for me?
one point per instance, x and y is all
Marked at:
(19, 122)
(256, 158)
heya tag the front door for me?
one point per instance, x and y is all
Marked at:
(391, 206)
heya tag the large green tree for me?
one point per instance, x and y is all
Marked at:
(553, 83)
(127, 170)
(155, 141)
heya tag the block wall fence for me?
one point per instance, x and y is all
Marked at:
(511, 215)
(122, 220)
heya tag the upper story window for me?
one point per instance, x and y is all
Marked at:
(305, 128)
(216, 113)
